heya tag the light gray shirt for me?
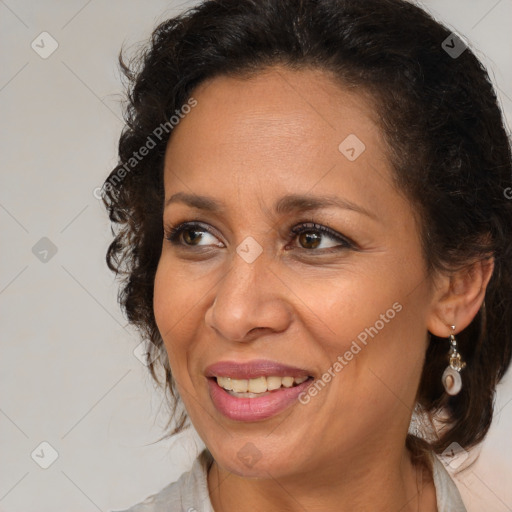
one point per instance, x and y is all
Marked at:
(190, 492)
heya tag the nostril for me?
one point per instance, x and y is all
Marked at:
(255, 329)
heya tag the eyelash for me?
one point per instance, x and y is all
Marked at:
(172, 234)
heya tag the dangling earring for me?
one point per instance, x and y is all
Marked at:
(451, 379)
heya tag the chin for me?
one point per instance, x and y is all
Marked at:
(252, 457)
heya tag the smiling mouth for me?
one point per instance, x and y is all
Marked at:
(259, 386)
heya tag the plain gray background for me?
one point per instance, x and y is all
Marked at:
(69, 376)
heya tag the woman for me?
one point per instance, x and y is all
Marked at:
(316, 241)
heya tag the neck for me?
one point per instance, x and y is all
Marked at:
(378, 482)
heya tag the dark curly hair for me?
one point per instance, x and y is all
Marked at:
(445, 137)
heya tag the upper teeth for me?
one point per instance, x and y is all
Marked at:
(258, 385)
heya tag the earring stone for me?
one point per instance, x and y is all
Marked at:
(451, 378)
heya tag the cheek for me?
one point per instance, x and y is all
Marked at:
(385, 372)
(180, 298)
(352, 304)
(174, 300)
(163, 301)
(375, 320)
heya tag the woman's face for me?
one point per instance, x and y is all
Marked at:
(237, 295)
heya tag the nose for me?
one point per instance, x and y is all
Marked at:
(250, 301)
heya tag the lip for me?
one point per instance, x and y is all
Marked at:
(253, 369)
(254, 409)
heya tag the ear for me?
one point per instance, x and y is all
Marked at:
(458, 297)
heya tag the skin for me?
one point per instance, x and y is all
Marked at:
(247, 143)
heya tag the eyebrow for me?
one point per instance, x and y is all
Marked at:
(286, 204)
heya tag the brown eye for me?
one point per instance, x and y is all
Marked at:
(312, 236)
(190, 234)
(309, 240)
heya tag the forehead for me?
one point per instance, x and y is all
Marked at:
(278, 130)
(277, 103)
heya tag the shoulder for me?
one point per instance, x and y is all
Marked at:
(188, 494)
(448, 496)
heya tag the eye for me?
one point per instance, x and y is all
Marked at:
(190, 234)
(310, 236)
